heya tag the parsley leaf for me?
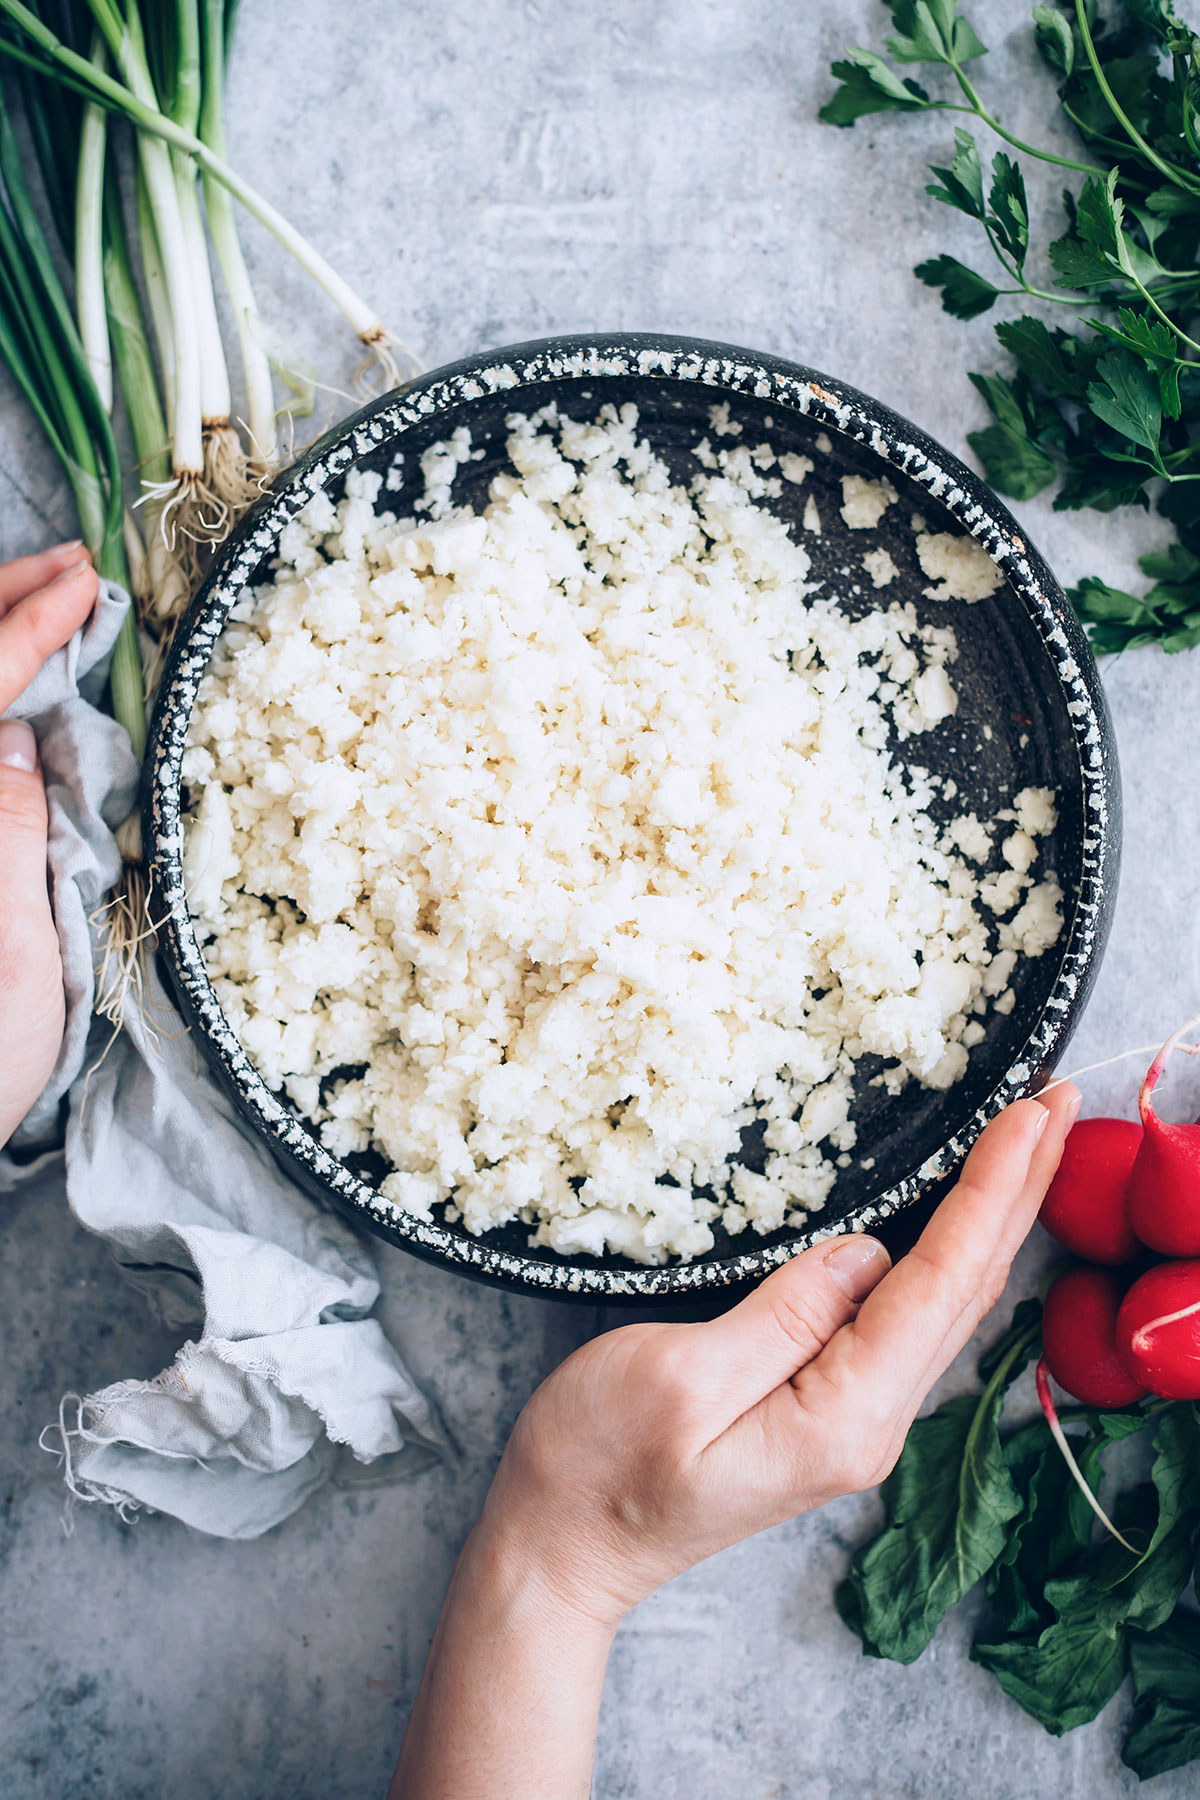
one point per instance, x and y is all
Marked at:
(1055, 38)
(1176, 565)
(1150, 339)
(1110, 410)
(1127, 398)
(869, 86)
(1094, 479)
(962, 183)
(1008, 208)
(930, 31)
(1052, 358)
(964, 293)
(1010, 450)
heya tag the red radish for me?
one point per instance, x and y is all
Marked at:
(1085, 1207)
(1164, 1187)
(1158, 1330)
(1079, 1327)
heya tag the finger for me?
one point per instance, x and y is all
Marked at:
(26, 574)
(22, 826)
(35, 627)
(792, 1315)
(914, 1324)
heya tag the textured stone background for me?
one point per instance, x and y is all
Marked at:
(491, 172)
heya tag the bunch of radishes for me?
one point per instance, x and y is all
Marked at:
(1123, 1194)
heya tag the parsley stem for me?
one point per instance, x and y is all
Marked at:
(980, 111)
(1180, 177)
(1016, 273)
(1148, 297)
(1075, 300)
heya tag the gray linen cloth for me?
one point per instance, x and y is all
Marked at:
(282, 1364)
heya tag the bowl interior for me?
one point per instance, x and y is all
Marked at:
(1013, 728)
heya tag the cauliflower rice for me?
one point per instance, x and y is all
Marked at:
(545, 849)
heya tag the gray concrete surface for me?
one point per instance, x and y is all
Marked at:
(491, 172)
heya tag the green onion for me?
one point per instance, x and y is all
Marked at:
(158, 66)
(163, 589)
(41, 346)
(256, 367)
(133, 97)
(89, 240)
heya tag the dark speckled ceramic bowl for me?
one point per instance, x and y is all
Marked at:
(1031, 712)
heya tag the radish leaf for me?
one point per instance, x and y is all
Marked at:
(1063, 1674)
(1067, 1673)
(949, 1502)
(1050, 1534)
(1166, 1678)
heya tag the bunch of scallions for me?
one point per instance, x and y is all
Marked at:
(123, 107)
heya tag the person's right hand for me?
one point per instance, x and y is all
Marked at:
(656, 1445)
(43, 601)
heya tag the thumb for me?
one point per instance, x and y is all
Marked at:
(784, 1323)
(22, 827)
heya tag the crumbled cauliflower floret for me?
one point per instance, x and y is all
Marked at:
(880, 567)
(794, 468)
(959, 567)
(543, 849)
(864, 502)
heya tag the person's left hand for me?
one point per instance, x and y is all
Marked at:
(43, 601)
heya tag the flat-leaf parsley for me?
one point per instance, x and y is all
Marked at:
(1110, 409)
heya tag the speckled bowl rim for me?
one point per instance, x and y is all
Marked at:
(726, 369)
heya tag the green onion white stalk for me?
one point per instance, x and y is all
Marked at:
(123, 35)
(163, 587)
(89, 240)
(256, 367)
(184, 110)
(159, 304)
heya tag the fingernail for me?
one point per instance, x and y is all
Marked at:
(61, 549)
(858, 1264)
(1073, 1110)
(69, 574)
(18, 746)
(1041, 1124)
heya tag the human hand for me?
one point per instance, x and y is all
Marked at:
(656, 1445)
(43, 601)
